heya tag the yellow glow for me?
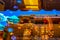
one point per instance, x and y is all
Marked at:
(46, 37)
(59, 26)
(32, 7)
(26, 2)
(31, 2)
(19, 27)
(27, 32)
(42, 37)
(34, 2)
(10, 22)
(42, 30)
(11, 33)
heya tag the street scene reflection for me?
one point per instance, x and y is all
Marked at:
(33, 28)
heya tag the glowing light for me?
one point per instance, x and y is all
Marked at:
(1, 27)
(31, 6)
(19, 1)
(19, 12)
(19, 27)
(13, 19)
(15, 7)
(10, 29)
(45, 21)
(11, 33)
(31, 2)
(2, 18)
(27, 32)
(11, 12)
(59, 26)
(13, 37)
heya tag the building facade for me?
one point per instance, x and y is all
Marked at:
(51, 4)
(9, 4)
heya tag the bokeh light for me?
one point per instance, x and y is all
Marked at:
(10, 29)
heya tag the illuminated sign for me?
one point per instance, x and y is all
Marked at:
(31, 4)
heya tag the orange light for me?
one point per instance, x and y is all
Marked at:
(11, 33)
(51, 36)
(19, 27)
(32, 7)
(30, 31)
(35, 28)
(31, 4)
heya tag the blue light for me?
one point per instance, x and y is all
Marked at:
(4, 23)
(2, 17)
(13, 37)
(19, 1)
(54, 11)
(2, 27)
(10, 29)
(30, 12)
(14, 19)
(8, 13)
(42, 11)
(15, 6)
